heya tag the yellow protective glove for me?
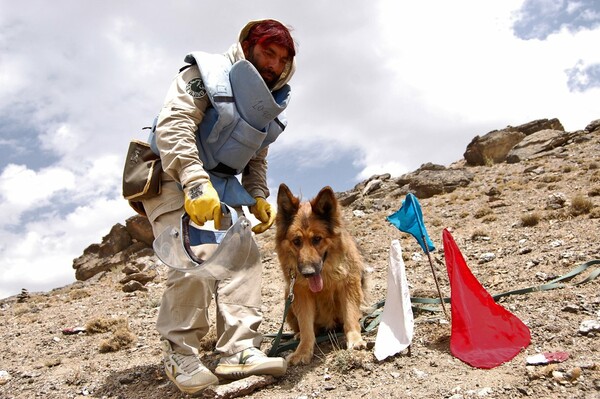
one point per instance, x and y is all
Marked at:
(263, 212)
(202, 203)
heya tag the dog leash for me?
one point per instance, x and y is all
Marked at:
(552, 284)
(371, 321)
(275, 346)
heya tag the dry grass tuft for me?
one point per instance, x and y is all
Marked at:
(479, 234)
(122, 338)
(551, 178)
(580, 205)
(481, 212)
(78, 294)
(530, 219)
(102, 325)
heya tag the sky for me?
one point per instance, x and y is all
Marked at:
(382, 86)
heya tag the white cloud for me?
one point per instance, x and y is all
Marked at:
(40, 255)
(381, 86)
(26, 190)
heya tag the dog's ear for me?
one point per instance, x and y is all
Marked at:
(325, 204)
(287, 206)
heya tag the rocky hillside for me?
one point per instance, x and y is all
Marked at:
(523, 206)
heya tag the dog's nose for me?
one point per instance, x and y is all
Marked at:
(310, 269)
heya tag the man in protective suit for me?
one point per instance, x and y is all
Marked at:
(221, 113)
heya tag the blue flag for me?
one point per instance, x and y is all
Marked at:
(409, 219)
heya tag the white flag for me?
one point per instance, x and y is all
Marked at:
(397, 325)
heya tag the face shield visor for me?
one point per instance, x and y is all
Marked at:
(175, 247)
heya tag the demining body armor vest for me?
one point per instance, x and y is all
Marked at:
(245, 116)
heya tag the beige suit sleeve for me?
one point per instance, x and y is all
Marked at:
(254, 177)
(176, 127)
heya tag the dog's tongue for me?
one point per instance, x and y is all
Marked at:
(315, 283)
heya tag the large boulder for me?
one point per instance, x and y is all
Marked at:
(116, 248)
(494, 146)
(431, 179)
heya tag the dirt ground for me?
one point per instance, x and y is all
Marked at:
(511, 241)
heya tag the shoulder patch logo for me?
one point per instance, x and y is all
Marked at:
(195, 88)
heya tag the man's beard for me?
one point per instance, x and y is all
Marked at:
(268, 75)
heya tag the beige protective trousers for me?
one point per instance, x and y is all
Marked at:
(183, 315)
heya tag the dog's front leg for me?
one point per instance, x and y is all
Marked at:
(304, 308)
(352, 314)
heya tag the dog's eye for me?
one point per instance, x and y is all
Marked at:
(316, 240)
(297, 242)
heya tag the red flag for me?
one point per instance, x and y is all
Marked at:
(484, 334)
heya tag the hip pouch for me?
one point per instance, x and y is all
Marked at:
(142, 172)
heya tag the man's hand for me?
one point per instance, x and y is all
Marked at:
(202, 203)
(263, 212)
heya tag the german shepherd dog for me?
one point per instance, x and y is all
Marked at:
(316, 251)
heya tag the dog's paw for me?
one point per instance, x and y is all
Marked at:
(299, 357)
(357, 345)
(355, 341)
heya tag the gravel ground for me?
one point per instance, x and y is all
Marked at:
(513, 240)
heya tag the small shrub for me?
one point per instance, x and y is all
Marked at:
(593, 165)
(530, 219)
(78, 294)
(477, 234)
(489, 219)
(567, 169)
(551, 178)
(21, 309)
(122, 338)
(482, 212)
(102, 325)
(487, 161)
(345, 360)
(580, 205)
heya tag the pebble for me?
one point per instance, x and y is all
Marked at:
(588, 326)
(487, 257)
(4, 377)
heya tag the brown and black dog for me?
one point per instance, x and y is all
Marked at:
(316, 250)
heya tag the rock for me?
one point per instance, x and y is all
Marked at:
(371, 186)
(130, 269)
(87, 266)
(427, 182)
(115, 241)
(140, 229)
(348, 198)
(537, 143)
(556, 201)
(540, 124)
(142, 277)
(493, 147)
(133, 286)
(238, 388)
(588, 326)
(116, 248)
(593, 126)
(23, 295)
(4, 377)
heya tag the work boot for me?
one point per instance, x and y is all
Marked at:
(186, 371)
(250, 361)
